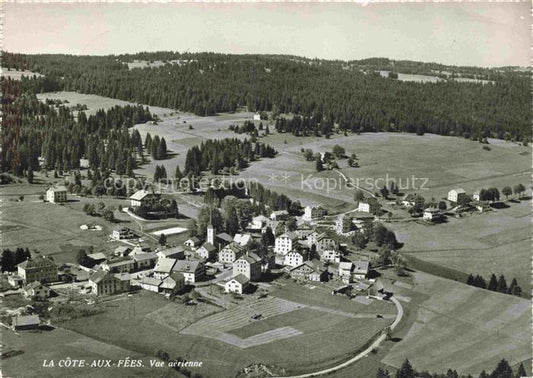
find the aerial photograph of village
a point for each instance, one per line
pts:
(266, 190)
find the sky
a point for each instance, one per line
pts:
(459, 33)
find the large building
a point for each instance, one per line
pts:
(56, 194)
(144, 198)
(104, 283)
(285, 243)
(230, 253)
(249, 265)
(41, 269)
(192, 270)
(457, 194)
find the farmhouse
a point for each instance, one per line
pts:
(163, 268)
(36, 290)
(324, 242)
(285, 243)
(360, 269)
(279, 215)
(119, 265)
(249, 265)
(363, 207)
(192, 270)
(432, 214)
(41, 269)
(207, 251)
(308, 272)
(171, 253)
(98, 257)
(14, 280)
(151, 284)
(293, 259)
(192, 242)
(145, 260)
(25, 322)
(313, 212)
(173, 283)
(56, 194)
(230, 253)
(224, 238)
(455, 195)
(237, 284)
(123, 233)
(104, 283)
(144, 198)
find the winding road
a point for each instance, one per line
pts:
(360, 355)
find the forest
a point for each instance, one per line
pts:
(351, 95)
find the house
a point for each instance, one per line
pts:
(105, 282)
(192, 270)
(360, 269)
(173, 283)
(242, 239)
(123, 233)
(432, 214)
(207, 251)
(279, 215)
(14, 280)
(308, 272)
(139, 250)
(313, 212)
(409, 200)
(122, 250)
(119, 265)
(344, 225)
(97, 257)
(331, 255)
(256, 117)
(192, 242)
(285, 242)
(42, 269)
(56, 194)
(237, 284)
(345, 269)
(163, 268)
(25, 322)
(144, 198)
(249, 265)
(151, 284)
(455, 195)
(145, 260)
(223, 238)
(84, 163)
(230, 253)
(363, 207)
(476, 196)
(36, 290)
(258, 222)
(171, 253)
(293, 259)
(481, 206)
(324, 242)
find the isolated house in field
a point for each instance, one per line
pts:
(36, 290)
(25, 322)
(457, 194)
(279, 215)
(237, 284)
(409, 200)
(284, 243)
(56, 194)
(249, 265)
(432, 214)
(144, 198)
(230, 253)
(105, 283)
(313, 212)
(207, 251)
(42, 269)
(363, 207)
(293, 259)
(192, 270)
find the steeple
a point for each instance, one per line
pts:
(210, 229)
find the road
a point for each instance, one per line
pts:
(362, 354)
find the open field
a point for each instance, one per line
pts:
(494, 242)
(16, 74)
(466, 328)
(37, 348)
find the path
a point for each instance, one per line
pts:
(362, 354)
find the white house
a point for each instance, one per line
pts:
(36, 290)
(293, 259)
(237, 284)
(143, 197)
(455, 195)
(331, 255)
(431, 214)
(171, 253)
(151, 284)
(207, 251)
(258, 222)
(242, 239)
(313, 212)
(285, 242)
(230, 253)
(123, 233)
(56, 194)
(363, 207)
(475, 196)
(279, 215)
(256, 117)
(192, 242)
(249, 265)
(192, 270)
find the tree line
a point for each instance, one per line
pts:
(495, 284)
(10, 259)
(342, 93)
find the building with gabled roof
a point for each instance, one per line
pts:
(207, 251)
(171, 253)
(293, 258)
(119, 264)
(144, 198)
(145, 260)
(151, 284)
(230, 253)
(237, 284)
(163, 268)
(36, 290)
(41, 268)
(279, 215)
(242, 239)
(249, 265)
(173, 283)
(285, 242)
(456, 194)
(25, 322)
(104, 282)
(56, 194)
(192, 270)
(309, 271)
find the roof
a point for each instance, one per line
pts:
(194, 239)
(33, 285)
(119, 261)
(280, 212)
(234, 247)
(346, 265)
(151, 281)
(59, 188)
(209, 247)
(25, 320)
(98, 276)
(458, 190)
(224, 236)
(145, 256)
(242, 238)
(98, 256)
(240, 278)
(140, 194)
(307, 265)
(290, 235)
(431, 210)
(165, 265)
(170, 281)
(260, 218)
(251, 258)
(361, 265)
(187, 266)
(38, 262)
